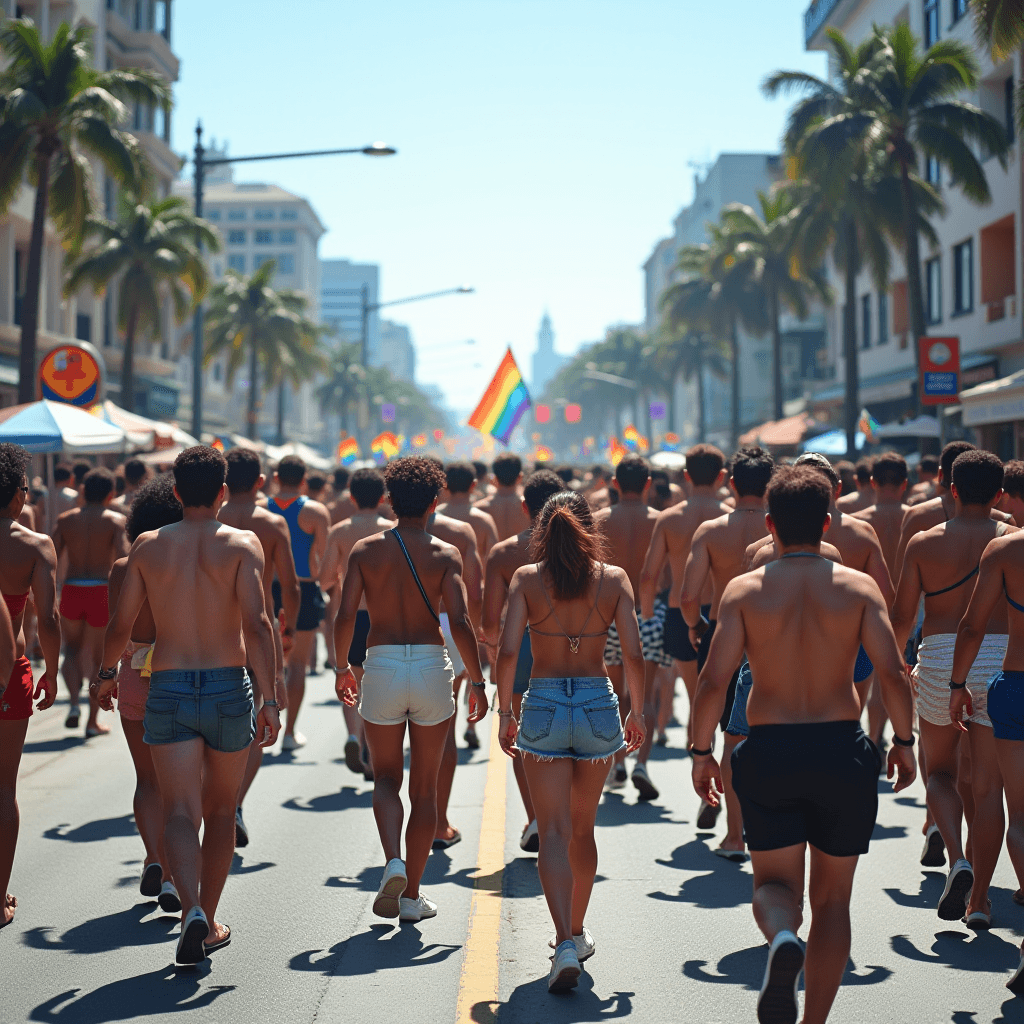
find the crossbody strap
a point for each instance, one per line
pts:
(415, 574)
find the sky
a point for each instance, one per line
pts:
(544, 146)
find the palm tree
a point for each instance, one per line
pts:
(690, 353)
(151, 248)
(248, 319)
(54, 109)
(345, 383)
(999, 25)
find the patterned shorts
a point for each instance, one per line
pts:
(651, 634)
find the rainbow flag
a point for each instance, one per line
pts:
(867, 425)
(385, 444)
(217, 444)
(616, 451)
(348, 451)
(504, 402)
(419, 441)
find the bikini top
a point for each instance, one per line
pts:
(1000, 531)
(574, 641)
(1010, 601)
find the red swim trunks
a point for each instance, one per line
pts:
(89, 602)
(16, 700)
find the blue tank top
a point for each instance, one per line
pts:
(302, 542)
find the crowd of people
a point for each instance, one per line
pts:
(796, 600)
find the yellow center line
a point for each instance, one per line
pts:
(478, 986)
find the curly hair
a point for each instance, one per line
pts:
(155, 505)
(243, 470)
(413, 483)
(14, 463)
(568, 542)
(199, 474)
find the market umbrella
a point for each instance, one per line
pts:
(46, 427)
(832, 443)
(668, 460)
(143, 432)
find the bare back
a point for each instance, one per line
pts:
(461, 536)
(342, 538)
(341, 508)
(271, 530)
(675, 528)
(483, 524)
(628, 527)
(93, 538)
(886, 519)
(720, 545)
(27, 563)
(506, 509)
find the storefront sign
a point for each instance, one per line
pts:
(939, 359)
(70, 374)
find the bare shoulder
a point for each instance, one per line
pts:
(859, 583)
(602, 514)
(710, 527)
(113, 516)
(860, 527)
(1003, 550)
(742, 586)
(118, 570)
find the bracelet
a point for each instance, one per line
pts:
(694, 752)
(505, 714)
(957, 686)
(903, 743)
(272, 704)
(483, 682)
(107, 673)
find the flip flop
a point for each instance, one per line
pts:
(734, 856)
(194, 929)
(443, 844)
(71, 722)
(352, 761)
(979, 921)
(151, 880)
(212, 947)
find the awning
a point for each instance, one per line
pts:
(45, 427)
(923, 426)
(142, 432)
(832, 443)
(786, 433)
(309, 456)
(995, 401)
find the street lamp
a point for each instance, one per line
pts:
(372, 307)
(201, 163)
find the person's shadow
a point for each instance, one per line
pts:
(95, 831)
(982, 952)
(746, 967)
(367, 953)
(345, 799)
(531, 1001)
(124, 929)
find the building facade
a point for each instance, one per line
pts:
(397, 351)
(346, 289)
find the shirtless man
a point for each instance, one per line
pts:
(504, 559)
(807, 775)
(718, 552)
(505, 506)
(864, 496)
(628, 527)
(673, 534)
(136, 472)
(241, 511)
(1000, 581)
(1012, 502)
(65, 495)
(927, 477)
(204, 584)
(93, 537)
(600, 488)
(308, 522)
(342, 505)
(461, 485)
(942, 563)
(367, 491)
(404, 574)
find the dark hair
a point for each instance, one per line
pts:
(243, 470)
(506, 469)
(863, 470)
(315, 483)
(341, 476)
(14, 463)
(751, 470)
(480, 468)
(61, 473)
(889, 469)
(540, 486)
(119, 483)
(134, 471)
(703, 464)
(978, 476)
(568, 542)
(1013, 478)
(818, 462)
(798, 500)
(928, 464)
(97, 485)
(632, 474)
(291, 470)
(949, 455)
(566, 474)
(366, 487)
(413, 483)
(78, 470)
(199, 474)
(460, 476)
(154, 505)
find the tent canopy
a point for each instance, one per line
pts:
(923, 426)
(309, 456)
(832, 443)
(142, 432)
(47, 427)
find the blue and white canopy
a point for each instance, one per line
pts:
(46, 427)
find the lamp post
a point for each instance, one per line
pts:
(201, 163)
(372, 307)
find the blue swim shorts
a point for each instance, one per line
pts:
(575, 718)
(863, 668)
(214, 705)
(1006, 705)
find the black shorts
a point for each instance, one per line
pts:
(676, 637)
(357, 649)
(811, 783)
(705, 645)
(311, 609)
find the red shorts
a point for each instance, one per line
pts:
(78, 601)
(16, 700)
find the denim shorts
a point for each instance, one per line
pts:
(214, 705)
(574, 718)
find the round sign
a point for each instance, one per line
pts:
(70, 374)
(939, 354)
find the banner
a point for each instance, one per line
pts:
(939, 381)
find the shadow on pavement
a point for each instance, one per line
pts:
(696, 855)
(121, 930)
(928, 895)
(1011, 1012)
(95, 831)
(345, 799)
(531, 1001)
(613, 810)
(367, 952)
(746, 967)
(285, 757)
(239, 867)
(368, 880)
(53, 746)
(983, 952)
(521, 879)
(889, 832)
(159, 992)
(726, 886)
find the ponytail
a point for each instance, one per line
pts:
(569, 544)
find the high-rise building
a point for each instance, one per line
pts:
(546, 361)
(346, 289)
(396, 350)
(126, 34)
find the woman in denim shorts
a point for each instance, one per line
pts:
(569, 726)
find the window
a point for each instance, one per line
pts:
(286, 263)
(931, 22)
(213, 215)
(932, 171)
(865, 321)
(236, 237)
(963, 277)
(289, 215)
(883, 318)
(236, 261)
(264, 237)
(259, 214)
(83, 327)
(933, 285)
(236, 214)
(1009, 112)
(959, 9)
(261, 258)
(216, 371)
(286, 237)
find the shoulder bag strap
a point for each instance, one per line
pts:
(415, 574)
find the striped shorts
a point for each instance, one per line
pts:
(934, 669)
(652, 632)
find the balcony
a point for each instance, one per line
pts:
(816, 16)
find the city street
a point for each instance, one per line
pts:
(676, 939)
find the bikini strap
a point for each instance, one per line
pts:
(415, 574)
(959, 583)
(1010, 601)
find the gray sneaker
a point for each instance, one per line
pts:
(586, 947)
(642, 782)
(565, 968)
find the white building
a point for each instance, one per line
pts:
(972, 278)
(126, 34)
(346, 288)
(397, 351)
(546, 361)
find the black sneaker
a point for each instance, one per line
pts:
(934, 853)
(241, 832)
(777, 1002)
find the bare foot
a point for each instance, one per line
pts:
(7, 911)
(447, 833)
(218, 931)
(96, 729)
(733, 845)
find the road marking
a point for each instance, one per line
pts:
(478, 986)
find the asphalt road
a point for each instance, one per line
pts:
(676, 939)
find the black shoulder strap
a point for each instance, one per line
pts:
(415, 574)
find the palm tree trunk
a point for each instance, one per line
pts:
(702, 423)
(280, 412)
(734, 345)
(851, 408)
(128, 362)
(672, 419)
(773, 312)
(915, 293)
(33, 283)
(252, 411)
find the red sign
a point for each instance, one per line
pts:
(542, 413)
(939, 380)
(70, 374)
(573, 413)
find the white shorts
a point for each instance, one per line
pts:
(935, 667)
(449, 641)
(407, 683)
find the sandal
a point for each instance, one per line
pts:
(443, 844)
(212, 947)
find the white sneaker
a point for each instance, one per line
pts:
(417, 909)
(168, 899)
(565, 968)
(586, 947)
(953, 904)
(777, 1002)
(392, 885)
(529, 841)
(642, 781)
(292, 741)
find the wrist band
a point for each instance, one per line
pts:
(272, 704)
(483, 682)
(504, 714)
(107, 673)
(957, 686)
(903, 743)
(694, 752)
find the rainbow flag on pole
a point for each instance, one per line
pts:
(504, 402)
(348, 451)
